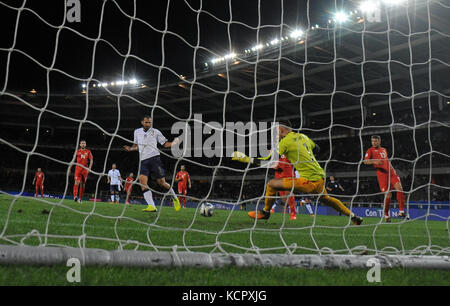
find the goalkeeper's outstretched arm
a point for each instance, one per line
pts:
(243, 158)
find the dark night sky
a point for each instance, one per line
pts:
(75, 53)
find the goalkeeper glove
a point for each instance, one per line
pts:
(241, 157)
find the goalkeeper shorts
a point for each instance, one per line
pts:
(302, 185)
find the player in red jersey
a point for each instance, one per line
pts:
(129, 187)
(83, 166)
(184, 181)
(39, 178)
(284, 169)
(386, 175)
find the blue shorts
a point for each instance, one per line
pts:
(152, 165)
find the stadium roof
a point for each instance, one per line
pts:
(349, 70)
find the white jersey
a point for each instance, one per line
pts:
(148, 142)
(114, 176)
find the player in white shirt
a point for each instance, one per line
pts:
(115, 182)
(307, 202)
(146, 140)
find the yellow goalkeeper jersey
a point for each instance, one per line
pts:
(298, 147)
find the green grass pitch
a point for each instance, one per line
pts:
(110, 226)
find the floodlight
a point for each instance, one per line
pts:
(257, 47)
(340, 17)
(231, 55)
(296, 33)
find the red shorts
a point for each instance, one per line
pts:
(284, 193)
(81, 174)
(182, 190)
(385, 182)
(39, 183)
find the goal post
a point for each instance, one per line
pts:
(98, 257)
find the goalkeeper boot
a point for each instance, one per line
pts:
(357, 220)
(176, 204)
(403, 215)
(387, 219)
(150, 209)
(260, 214)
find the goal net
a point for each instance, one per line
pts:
(220, 76)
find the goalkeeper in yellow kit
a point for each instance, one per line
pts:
(298, 148)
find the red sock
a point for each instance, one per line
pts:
(37, 191)
(81, 192)
(184, 201)
(42, 191)
(387, 201)
(75, 190)
(401, 200)
(292, 205)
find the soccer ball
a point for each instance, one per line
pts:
(206, 209)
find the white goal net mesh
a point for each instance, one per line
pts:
(220, 75)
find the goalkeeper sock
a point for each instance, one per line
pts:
(337, 205)
(148, 198)
(401, 201)
(269, 200)
(387, 201)
(75, 191)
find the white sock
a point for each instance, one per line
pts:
(308, 207)
(112, 198)
(117, 198)
(148, 198)
(172, 193)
